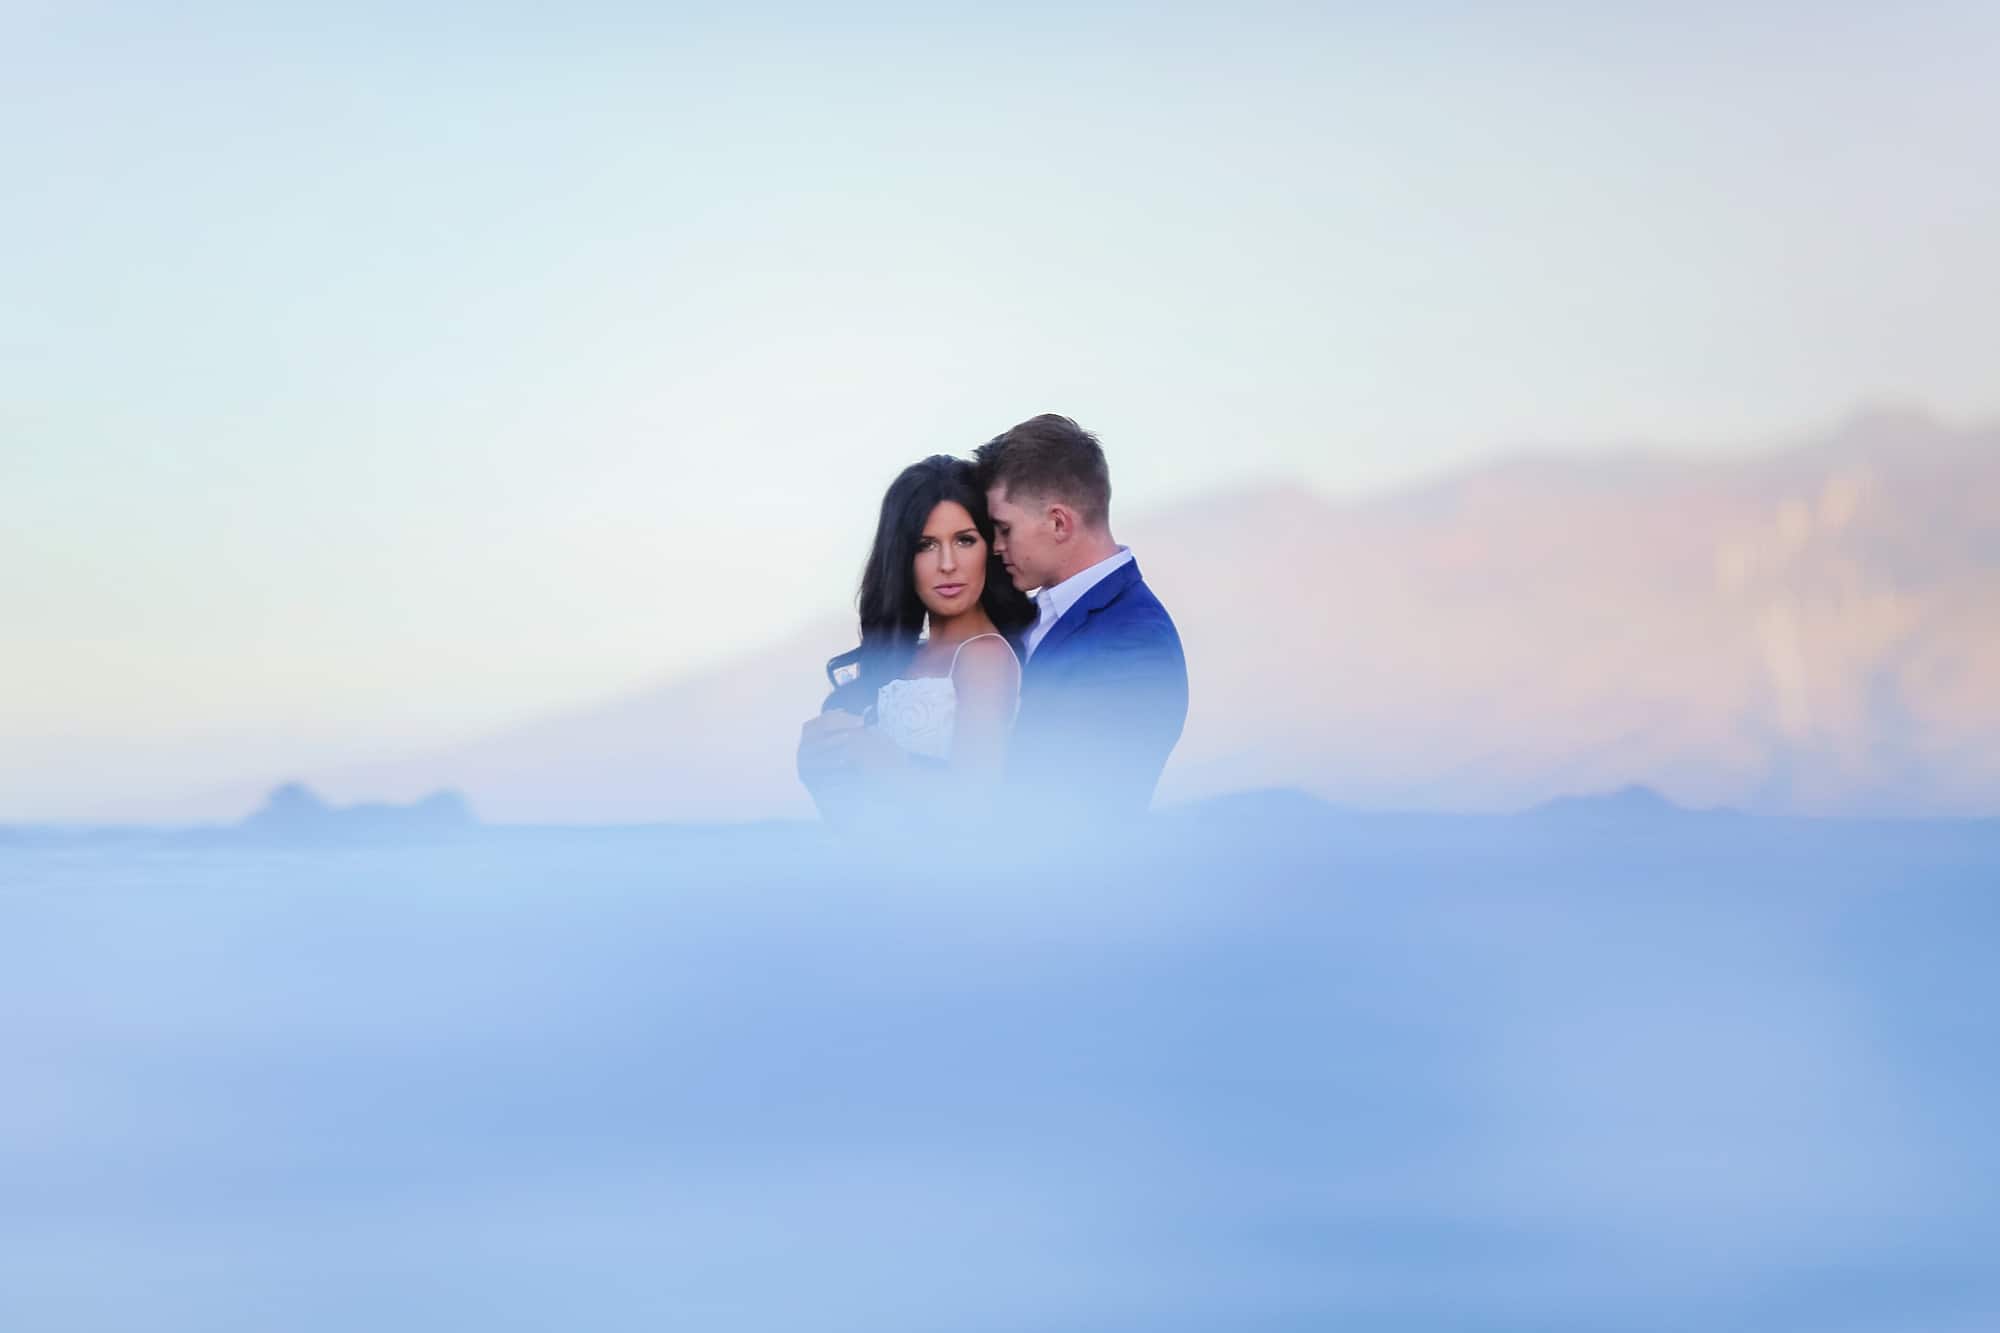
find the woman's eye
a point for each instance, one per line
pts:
(968, 541)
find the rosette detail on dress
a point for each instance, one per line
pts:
(918, 714)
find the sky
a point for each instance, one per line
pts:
(375, 376)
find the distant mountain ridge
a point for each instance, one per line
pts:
(1806, 630)
(295, 811)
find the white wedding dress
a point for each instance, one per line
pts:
(919, 714)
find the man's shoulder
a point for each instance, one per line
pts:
(1134, 621)
(1136, 603)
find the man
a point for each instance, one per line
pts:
(1104, 691)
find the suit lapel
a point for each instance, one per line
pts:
(1105, 592)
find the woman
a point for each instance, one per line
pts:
(916, 714)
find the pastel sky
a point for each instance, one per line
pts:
(376, 375)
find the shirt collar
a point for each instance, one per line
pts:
(1054, 602)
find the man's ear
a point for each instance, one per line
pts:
(1062, 522)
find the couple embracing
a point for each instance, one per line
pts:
(1012, 658)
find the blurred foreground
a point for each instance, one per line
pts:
(1268, 1067)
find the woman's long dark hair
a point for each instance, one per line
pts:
(892, 614)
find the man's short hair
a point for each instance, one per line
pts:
(1051, 458)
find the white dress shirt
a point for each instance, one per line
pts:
(1053, 602)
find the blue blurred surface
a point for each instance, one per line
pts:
(1262, 1068)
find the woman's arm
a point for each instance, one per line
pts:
(987, 682)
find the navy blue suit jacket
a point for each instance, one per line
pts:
(1103, 701)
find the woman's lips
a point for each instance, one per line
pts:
(948, 589)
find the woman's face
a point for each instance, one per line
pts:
(950, 561)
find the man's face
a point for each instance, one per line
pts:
(1024, 539)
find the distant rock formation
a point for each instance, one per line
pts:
(1801, 631)
(1264, 804)
(295, 810)
(1633, 802)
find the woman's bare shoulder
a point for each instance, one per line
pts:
(987, 660)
